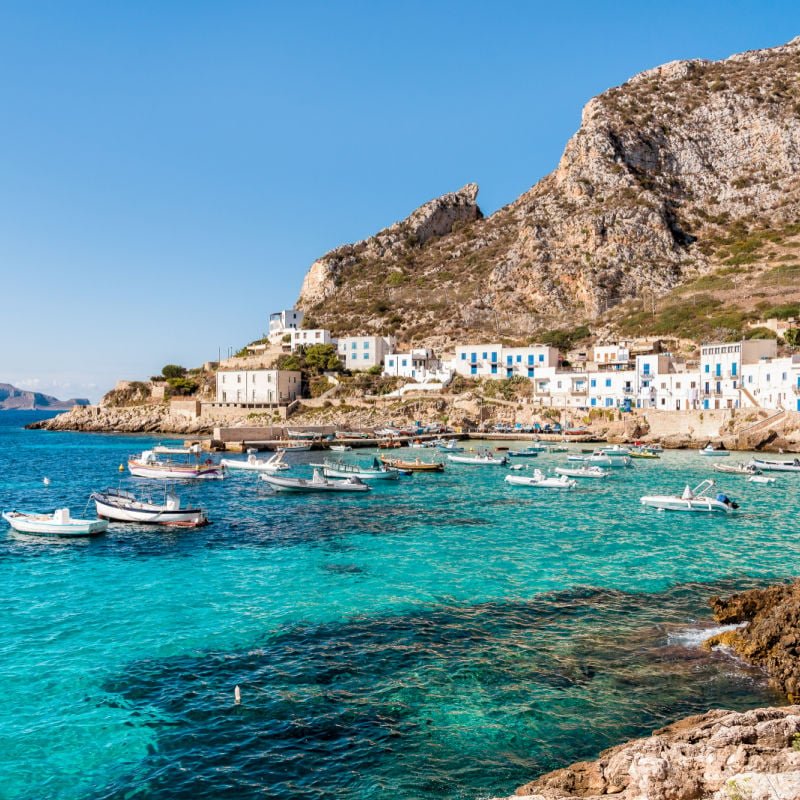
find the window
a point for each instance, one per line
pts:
(494, 369)
(541, 357)
(473, 370)
(354, 345)
(405, 362)
(530, 360)
(509, 372)
(608, 381)
(473, 357)
(594, 401)
(463, 356)
(593, 382)
(609, 401)
(707, 368)
(733, 368)
(519, 359)
(494, 356)
(391, 362)
(530, 372)
(484, 356)
(647, 369)
(366, 345)
(509, 360)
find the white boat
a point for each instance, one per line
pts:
(121, 506)
(541, 481)
(776, 466)
(310, 436)
(760, 479)
(598, 459)
(317, 483)
(59, 523)
(147, 465)
(710, 450)
(557, 448)
(450, 446)
(615, 451)
(696, 499)
(479, 460)
(736, 469)
(386, 433)
(165, 450)
(582, 472)
(274, 463)
(340, 469)
(295, 446)
(340, 448)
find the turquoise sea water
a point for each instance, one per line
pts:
(446, 637)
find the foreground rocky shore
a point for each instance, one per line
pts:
(719, 755)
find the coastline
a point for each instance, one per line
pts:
(721, 754)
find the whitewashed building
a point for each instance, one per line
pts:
(305, 337)
(420, 364)
(610, 356)
(284, 322)
(772, 383)
(258, 387)
(497, 361)
(364, 352)
(721, 366)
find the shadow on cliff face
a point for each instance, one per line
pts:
(449, 702)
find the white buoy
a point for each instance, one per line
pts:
(237, 696)
(46, 481)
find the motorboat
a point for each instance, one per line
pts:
(541, 481)
(760, 479)
(615, 451)
(450, 446)
(641, 452)
(305, 436)
(148, 465)
(417, 465)
(526, 452)
(483, 459)
(599, 459)
(776, 466)
(341, 469)
(317, 483)
(582, 472)
(340, 448)
(296, 446)
(118, 505)
(737, 469)
(710, 450)
(168, 450)
(59, 523)
(696, 499)
(557, 448)
(274, 463)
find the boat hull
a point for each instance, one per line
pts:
(776, 466)
(300, 485)
(148, 514)
(140, 469)
(594, 472)
(541, 483)
(44, 525)
(477, 462)
(251, 466)
(696, 504)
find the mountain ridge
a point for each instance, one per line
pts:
(12, 398)
(665, 175)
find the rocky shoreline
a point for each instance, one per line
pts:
(719, 755)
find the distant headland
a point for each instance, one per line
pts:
(14, 399)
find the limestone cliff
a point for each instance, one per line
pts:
(670, 176)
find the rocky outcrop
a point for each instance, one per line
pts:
(770, 638)
(435, 218)
(22, 400)
(669, 176)
(720, 755)
(154, 418)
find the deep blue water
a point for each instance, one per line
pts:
(446, 637)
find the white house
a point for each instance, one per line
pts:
(721, 371)
(610, 356)
(421, 364)
(772, 383)
(258, 386)
(497, 361)
(561, 388)
(304, 337)
(363, 352)
(284, 322)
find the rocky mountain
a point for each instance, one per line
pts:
(20, 400)
(681, 187)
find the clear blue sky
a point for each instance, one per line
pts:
(170, 170)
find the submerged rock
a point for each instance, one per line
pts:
(718, 755)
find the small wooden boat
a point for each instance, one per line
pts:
(696, 499)
(417, 465)
(274, 463)
(121, 506)
(541, 481)
(147, 465)
(317, 483)
(59, 523)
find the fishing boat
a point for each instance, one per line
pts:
(641, 452)
(541, 481)
(615, 451)
(118, 505)
(317, 483)
(274, 463)
(351, 435)
(148, 465)
(449, 446)
(696, 499)
(483, 459)
(340, 448)
(296, 446)
(527, 452)
(582, 472)
(341, 469)
(557, 448)
(737, 469)
(417, 465)
(710, 450)
(305, 436)
(59, 523)
(776, 466)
